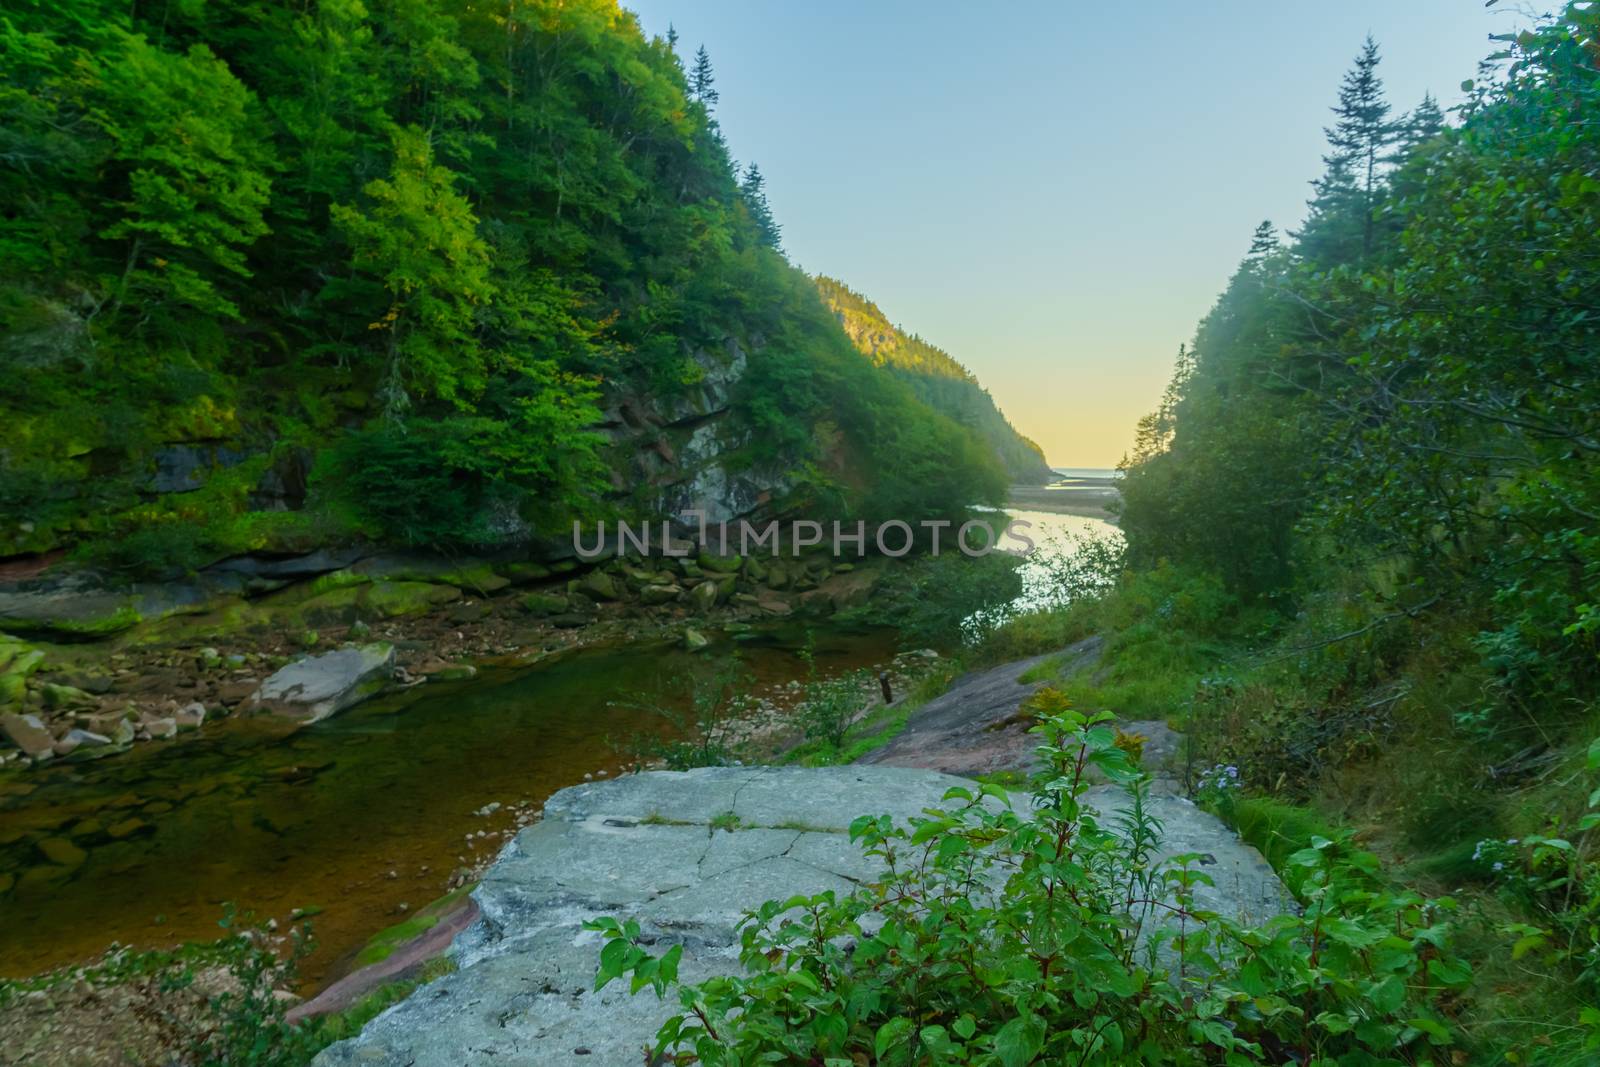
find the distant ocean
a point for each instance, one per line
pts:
(1087, 472)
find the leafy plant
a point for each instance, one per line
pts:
(998, 936)
(703, 727)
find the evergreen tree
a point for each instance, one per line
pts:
(1341, 224)
(1423, 124)
(754, 187)
(700, 80)
(1360, 138)
(1264, 241)
(672, 37)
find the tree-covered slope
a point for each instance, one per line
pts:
(1367, 513)
(418, 271)
(940, 381)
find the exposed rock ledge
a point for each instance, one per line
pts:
(655, 847)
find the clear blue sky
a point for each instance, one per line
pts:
(1054, 192)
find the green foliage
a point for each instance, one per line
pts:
(244, 1024)
(1001, 937)
(1414, 400)
(829, 707)
(704, 722)
(333, 225)
(937, 379)
(1556, 880)
(929, 600)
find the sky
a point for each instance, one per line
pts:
(1053, 192)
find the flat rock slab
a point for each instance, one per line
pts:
(1245, 887)
(686, 854)
(975, 728)
(319, 686)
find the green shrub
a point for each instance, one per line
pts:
(702, 725)
(1001, 937)
(1276, 829)
(931, 599)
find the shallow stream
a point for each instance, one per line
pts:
(351, 818)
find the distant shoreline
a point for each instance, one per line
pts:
(1089, 497)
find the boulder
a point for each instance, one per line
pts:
(190, 716)
(97, 684)
(720, 564)
(660, 594)
(73, 611)
(65, 697)
(471, 576)
(237, 692)
(161, 727)
(86, 738)
(389, 600)
(817, 602)
(544, 604)
(704, 596)
(524, 573)
(694, 640)
(319, 686)
(600, 586)
(294, 567)
(28, 733)
(17, 658)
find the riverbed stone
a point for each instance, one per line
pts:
(316, 687)
(65, 697)
(720, 564)
(544, 604)
(61, 852)
(684, 854)
(704, 596)
(87, 738)
(600, 586)
(161, 728)
(660, 594)
(390, 600)
(28, 733)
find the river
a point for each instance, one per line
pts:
(348, 819)
(364, 817)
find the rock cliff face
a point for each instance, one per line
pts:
(671, 454)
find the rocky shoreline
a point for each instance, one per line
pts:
(93, 671)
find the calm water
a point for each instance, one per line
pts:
(1054, 536)
(354, 816)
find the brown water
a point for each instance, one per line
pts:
(354, 816)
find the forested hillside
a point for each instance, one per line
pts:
(421, 272)
(938, 380)
(1363, 526)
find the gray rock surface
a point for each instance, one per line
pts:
(685, 854)
(319, 686)
(975, 728)
(643, 846)
(28, 733)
